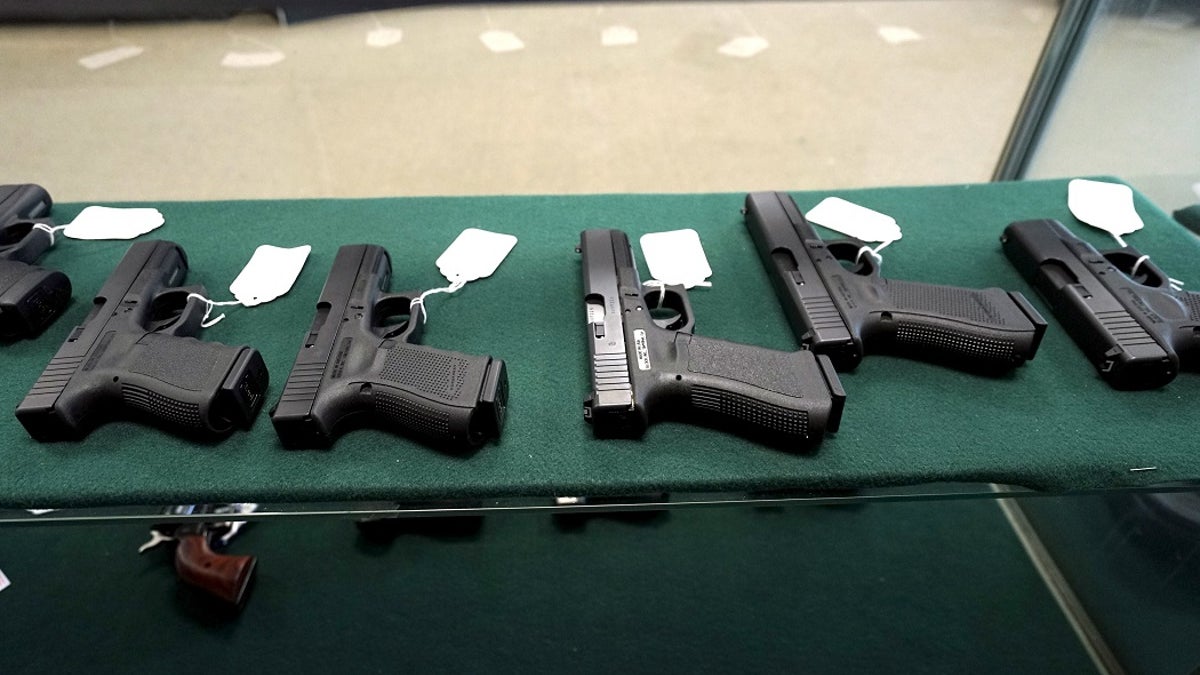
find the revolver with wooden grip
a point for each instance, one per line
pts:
(219, 575)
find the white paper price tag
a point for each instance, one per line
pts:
(103, 222)
(676, 258)
(853, 220)
(1105, 206)
(269, 274)
(475, 254)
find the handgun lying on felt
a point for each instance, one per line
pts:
(31, 297)
(1117, 305)
(647, 364)
(359, 365)
(839, 305)
(133, 356)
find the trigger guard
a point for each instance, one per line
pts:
(395, 304)
(22, 241)
(846, 250)
(1149, 274)
(187, 321)
(13, 232)
(674, 298)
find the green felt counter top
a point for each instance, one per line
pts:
(1051, 425)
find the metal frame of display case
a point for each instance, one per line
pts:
(565, 504)
(1063, 44)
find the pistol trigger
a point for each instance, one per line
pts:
(193, 310)
(398, 317)
(416, 311)
(685, 309)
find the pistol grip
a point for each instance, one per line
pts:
(785, 398)
(199, 388)
(31, 298)
(224, 576)
(449, 399)
(985, 330)
(203, 387)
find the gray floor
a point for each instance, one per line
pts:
(846, 94)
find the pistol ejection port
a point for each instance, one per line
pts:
(595, 317)
(595, 312)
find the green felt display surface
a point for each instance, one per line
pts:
(1052, 424)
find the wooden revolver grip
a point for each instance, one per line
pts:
(225, 576)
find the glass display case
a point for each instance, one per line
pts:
(955, 521)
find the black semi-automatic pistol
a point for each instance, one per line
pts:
(646, 368)
(1117, 305)
(839, 305)
(134, 356)
(357, 366)
(31, 297)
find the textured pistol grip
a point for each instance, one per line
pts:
(989, 330)
(31, 298)
(785, 398)
(447, 398)
(203, 387)
(224, 576)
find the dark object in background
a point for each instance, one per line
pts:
(134, 355)
(647, 364)
(1189, 217)
(1117, 305)
(360, 365)
(144, 10)
(1171, 518)
(307, 10)
(385, 529)
(31, 297)
(1131, 561)
(848, 312)
(575, 522)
